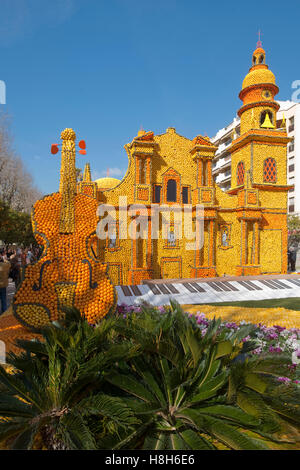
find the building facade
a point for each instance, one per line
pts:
(244, 230)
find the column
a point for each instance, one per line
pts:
(148, 170)
(208, 173)
(198, 250)
(149, 244)
(256, 249)
(244, 242)
(211, 243)
(138, 169)
(200, 171)
(134, 246)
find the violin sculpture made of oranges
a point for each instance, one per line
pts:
(68, 271)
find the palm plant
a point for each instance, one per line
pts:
(148, 381)
(54, 398)
(182, 387)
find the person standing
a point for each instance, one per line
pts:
(4, 273)
(293, 256)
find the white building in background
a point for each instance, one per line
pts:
(222, 162)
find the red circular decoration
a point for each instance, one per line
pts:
(83, 152)
(81, 144)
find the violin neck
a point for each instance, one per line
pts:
(67, 187)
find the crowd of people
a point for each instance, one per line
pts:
(13, 261)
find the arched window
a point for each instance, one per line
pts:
(240, 174)
(261, 59)
(171, 191)
(270, 172)
(264, 115)
(254, 60)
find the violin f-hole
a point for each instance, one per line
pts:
(93, 285)
(35, 287)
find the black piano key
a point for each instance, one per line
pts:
(280, 283)
(267, 283)
(173, 289)
(274, 283)
(214, 286)
(163, 288)
(224, 286)
(251, 284)
(243, 283)
(197, 287)
(295, 282)
(231, 287)
(154, 289)
(126, 291)
(136, 290)
(189, 287)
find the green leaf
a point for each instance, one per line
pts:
(132, 386)
(254, 382)
(232, 437)
(209, 388)
(224, 348)
(232, 413)
(196, 442)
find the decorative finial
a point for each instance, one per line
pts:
(68, 134)
(259, 43)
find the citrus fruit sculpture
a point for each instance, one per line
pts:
(68, 272)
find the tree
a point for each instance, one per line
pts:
(15, 227)
(16, 187)
(293, 230)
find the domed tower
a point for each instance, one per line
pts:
(258, 90)
(258, 173)
(259, 153)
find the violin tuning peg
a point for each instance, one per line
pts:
(54, 149)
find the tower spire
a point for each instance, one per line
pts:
(87, 173)
(259, 43)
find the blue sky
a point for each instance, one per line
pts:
(106, 68)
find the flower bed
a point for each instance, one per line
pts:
(261, 340)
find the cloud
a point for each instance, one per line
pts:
(112, 172)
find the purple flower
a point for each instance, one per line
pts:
(257, 350)
(296, 381)
(247, 338)
(272, 336)
(124, 315)
(273, 349)
(231, 325)
(161, 309)
(283, 379)
(279, 328)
